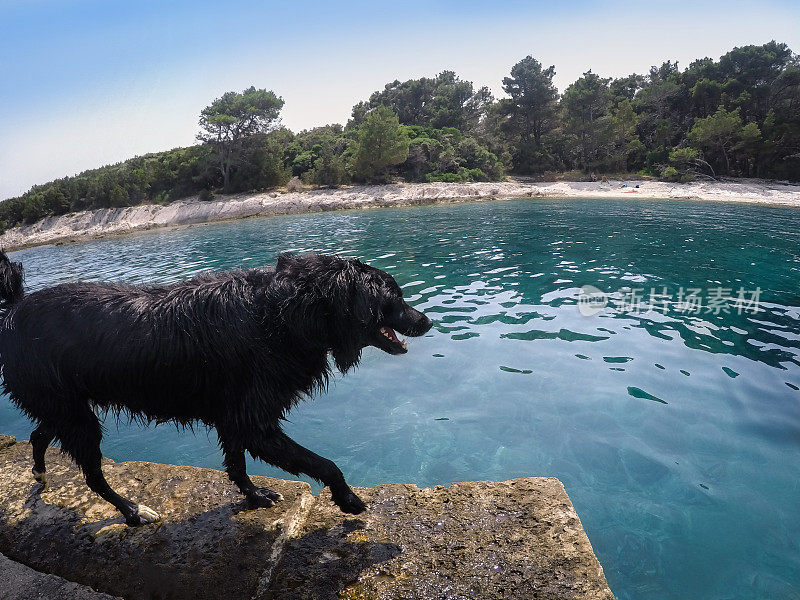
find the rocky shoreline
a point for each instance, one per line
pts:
(116, 221)
(516, 539)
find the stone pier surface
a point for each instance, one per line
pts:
(483, 539)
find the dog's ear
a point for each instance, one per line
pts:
(353, 306)
(357, 311)
(355, 297)
(363, 302)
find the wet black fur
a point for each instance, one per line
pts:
(234, 351)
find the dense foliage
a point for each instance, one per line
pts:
(444, 101)
(155, 178)
(738, 116)
(230, 123)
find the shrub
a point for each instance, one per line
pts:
(118, 197)
(33, 210)
(330, 169)
(670, 174)
(381, 143)
(682, 156)
(444, 177)
(206, 195)
(475, 175)
(302, 162)
(656, 157)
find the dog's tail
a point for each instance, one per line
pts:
(11, 277)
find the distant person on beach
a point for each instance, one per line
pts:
(593, 176)
(603, 179)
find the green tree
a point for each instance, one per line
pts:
(662, 106)
(118, 197)
(441, 101)
(626, 88)
(687, 162)
(448, 155)
(261, 165)
(533, 98)
(724, 132)
(586, 104)
(33, 209)
(625, 149)
(380, 143)
(706, 96)
(329, 169)
(531, 108)
(330, 166)
(474, 157)
(228, 121)
(455, 103)
(54, 200)
(423, 155)
(318, 155)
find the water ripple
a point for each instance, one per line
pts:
(674, 433)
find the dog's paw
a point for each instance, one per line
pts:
(39, 476)
(350, 503)
(143, 516)
(263, 497)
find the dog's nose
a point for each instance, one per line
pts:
(426, 324)
(414, 323)
(422, 326)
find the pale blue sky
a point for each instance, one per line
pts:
(90, 82)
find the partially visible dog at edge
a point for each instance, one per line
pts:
(234, 351)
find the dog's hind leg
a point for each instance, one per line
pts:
(41, 438)
(237, 472)
(80, 436)
(283, 452)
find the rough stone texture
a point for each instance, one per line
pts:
(482, 539)
(206, 542)
(512, 539)
(18, 582)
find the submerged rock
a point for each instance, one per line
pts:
(512, 539)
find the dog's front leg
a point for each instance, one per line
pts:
(237, 473)
(283, 452)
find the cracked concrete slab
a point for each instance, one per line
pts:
(485, 539)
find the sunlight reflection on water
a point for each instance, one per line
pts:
(676, 435)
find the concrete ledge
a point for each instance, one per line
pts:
(511, 539)
(18, 582)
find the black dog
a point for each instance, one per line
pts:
(231, 350)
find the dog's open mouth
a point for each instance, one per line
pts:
(388, 341)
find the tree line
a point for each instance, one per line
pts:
(738, 116)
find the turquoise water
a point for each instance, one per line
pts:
(676, 434)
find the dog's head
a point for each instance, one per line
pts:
(347, 305)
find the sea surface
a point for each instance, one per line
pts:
(668, 405)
